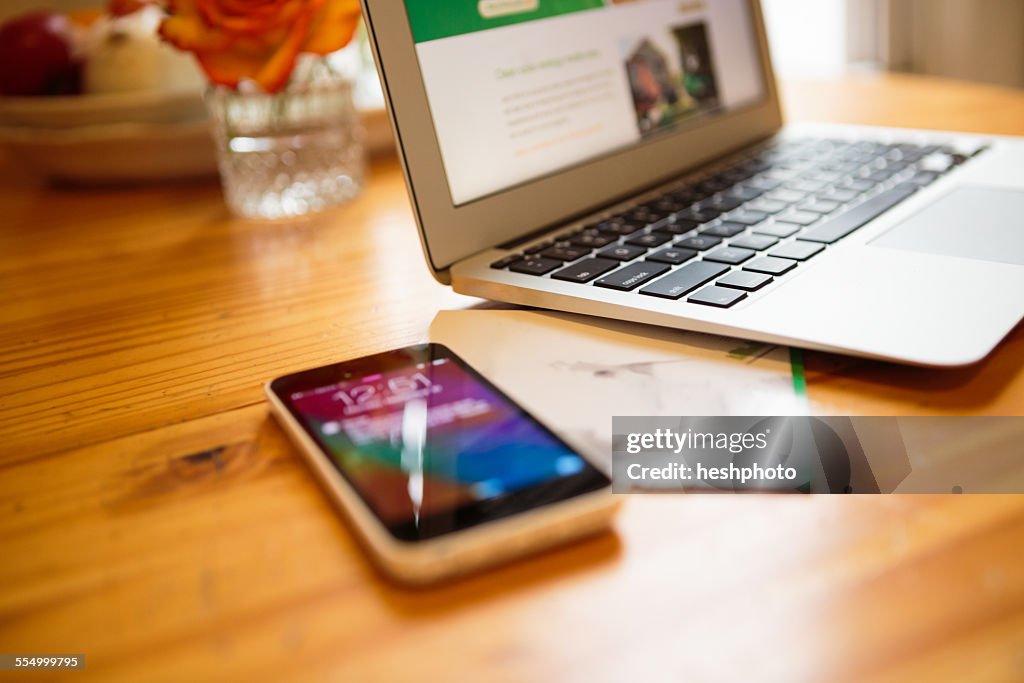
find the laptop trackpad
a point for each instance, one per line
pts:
(969, 222)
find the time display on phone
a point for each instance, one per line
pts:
(375, 391)
(430, 438)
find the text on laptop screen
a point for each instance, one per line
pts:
(522, 88)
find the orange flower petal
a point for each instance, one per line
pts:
(267, 11)
(250, 19)
(227, 68)
(188, 32)
(334, 27)
(274, 74)
(85, 17)
(257, 39)
(254, 7)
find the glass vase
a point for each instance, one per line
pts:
(289, 153)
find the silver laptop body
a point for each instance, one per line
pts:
(629, 160)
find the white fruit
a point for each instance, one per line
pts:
(125, 54)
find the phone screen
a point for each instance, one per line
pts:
(429, 444)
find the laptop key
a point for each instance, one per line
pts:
(633, 218)
(712, 185)
(667, 204)
(699, 214)
(565, 253)
(767, 206)
(684, 195)
(840, 226)
(838, 195)
(799, 217)
(723, 203)
(786, 196)
(746, 193)
(798, 251)
(725, 229)
(777, 229)
(746, 217)
(632, 276)
(805, 185)
(922, 179)
(623, 252)
(745, 280)
(824, 175)
(585, 270)
(730, 255)
(537, 248)
(755, 242)
(651, 239)
(644, 216)
(719, 297)
(617, 227)
(770, 265)
(535, 265)
(677, 227)
(672, 256)
(684, 280)
(593, 241)
(505, 262)
(937, 162)
(858, 184)
(699, 242)
(897, 166)
(823, 206)
(764, 183)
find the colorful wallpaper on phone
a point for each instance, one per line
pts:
(429, 438)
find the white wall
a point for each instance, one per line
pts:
(807, 37)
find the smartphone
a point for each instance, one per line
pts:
(437, 470)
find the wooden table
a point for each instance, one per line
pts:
(154, 517)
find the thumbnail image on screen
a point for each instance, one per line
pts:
(670, 79)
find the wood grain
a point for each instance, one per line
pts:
(180, 566)
(130, 309)
(154, 517)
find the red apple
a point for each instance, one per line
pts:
(35, 51)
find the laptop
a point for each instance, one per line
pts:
(628, 159)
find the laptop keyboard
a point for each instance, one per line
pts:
(724, 235)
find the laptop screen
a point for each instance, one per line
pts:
(523, 88)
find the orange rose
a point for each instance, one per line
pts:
(257, 39)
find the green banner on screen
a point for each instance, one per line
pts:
(433, 19)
